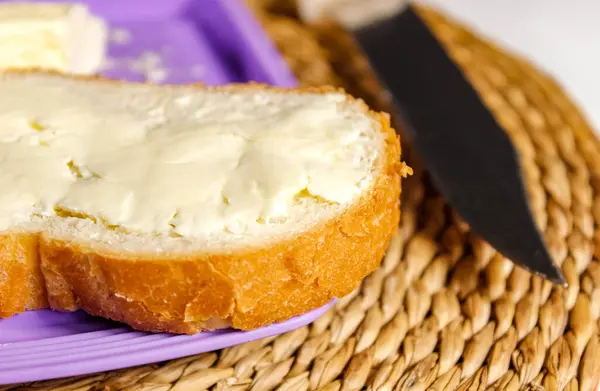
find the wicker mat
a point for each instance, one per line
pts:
(444, 311)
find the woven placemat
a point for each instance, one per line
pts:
(444, 311)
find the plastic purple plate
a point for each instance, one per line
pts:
(41, 345)
(210, 41)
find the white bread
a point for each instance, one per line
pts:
(297, 206)
(56, 36)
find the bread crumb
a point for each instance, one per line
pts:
(405, 170)
(149, 64)
(156, 75)
(120, 36)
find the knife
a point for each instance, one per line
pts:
(470, 158)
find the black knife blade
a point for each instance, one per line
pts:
(471, 159)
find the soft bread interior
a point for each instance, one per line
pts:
(138, 167)
(55, 36)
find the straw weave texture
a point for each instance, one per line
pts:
(445, 311)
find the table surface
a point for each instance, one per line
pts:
(560, 37)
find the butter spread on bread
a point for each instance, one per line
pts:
(57, 36)
(220, 198)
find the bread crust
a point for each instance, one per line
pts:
(245, 288)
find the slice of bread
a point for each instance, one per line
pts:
(55, 36)
(186, 208)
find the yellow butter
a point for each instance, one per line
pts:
(180, 160)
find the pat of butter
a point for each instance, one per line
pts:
(178, 160)
(54, 36)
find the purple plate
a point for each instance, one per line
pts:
(179, 41)
(41, 345)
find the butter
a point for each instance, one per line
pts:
(178, 161)
(55, 36)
